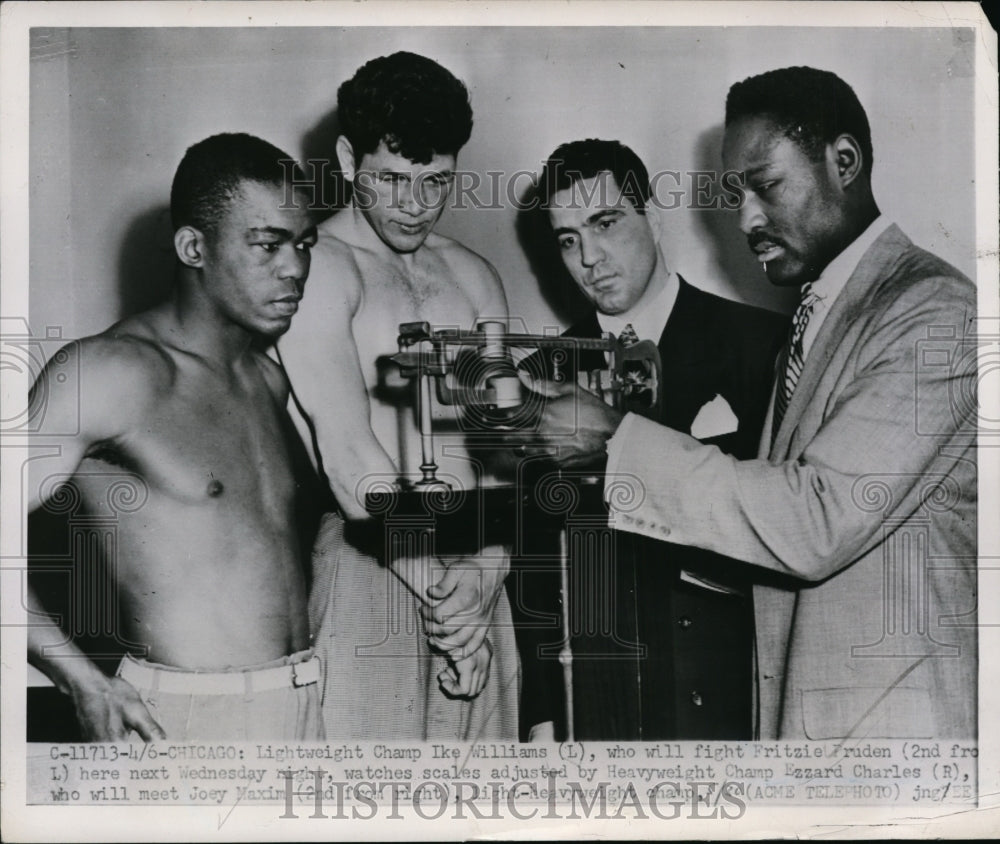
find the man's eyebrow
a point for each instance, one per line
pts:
(275, 230)
(596, 217)
(286, 234)
(756, 170)
(604, 212)
(427, 174)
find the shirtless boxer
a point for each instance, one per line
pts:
(378, 263)
(208, 569)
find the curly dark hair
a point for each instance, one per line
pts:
(208, 177)
(811, 107)
(412, 103)
(578, 160)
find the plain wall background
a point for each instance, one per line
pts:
(112, 111)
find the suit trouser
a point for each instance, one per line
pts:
(380, 679)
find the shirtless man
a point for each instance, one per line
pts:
(208, 569)
(378, 263)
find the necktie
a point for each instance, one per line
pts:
(628, 337)
(795, 356)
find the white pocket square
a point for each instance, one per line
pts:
(714, 419)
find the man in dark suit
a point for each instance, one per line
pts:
(660, 651)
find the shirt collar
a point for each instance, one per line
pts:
(648, 317)
(834, 277)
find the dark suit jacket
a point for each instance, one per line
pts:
(656, 657)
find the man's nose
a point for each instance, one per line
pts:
(407, 198)
(752, 216)
(591, 252)
(294, 264)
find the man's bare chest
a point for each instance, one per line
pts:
(391, 297)
(201, 441)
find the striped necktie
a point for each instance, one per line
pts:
(795, 356)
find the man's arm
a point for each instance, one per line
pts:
(807, 517)
(107, 708)
(459, 619)
(320, 356)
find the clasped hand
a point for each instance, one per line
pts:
(457, 597)
(457, 616)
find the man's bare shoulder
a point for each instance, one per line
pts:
(472, 271)
(458, 254)
(111, 379)
(334, 271)
(334, 240)
(130, 354)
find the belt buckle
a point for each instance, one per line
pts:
(296, 682)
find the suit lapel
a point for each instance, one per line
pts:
(873, 266)
(686, 338)
(766, 447)
(677, 329)
(588, 327)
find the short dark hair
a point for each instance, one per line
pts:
(578, 160)
(208, 177)
(412, 103)
(810, 107)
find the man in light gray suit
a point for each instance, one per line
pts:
(860, 509)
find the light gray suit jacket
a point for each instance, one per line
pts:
(865, 506)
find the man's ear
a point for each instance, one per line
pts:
(345, 156)
(654, 217)
(848, 160)
(189, 244)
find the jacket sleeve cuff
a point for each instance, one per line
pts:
(624, 489)
(616, 445)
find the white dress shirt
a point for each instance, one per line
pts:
(648, 317)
